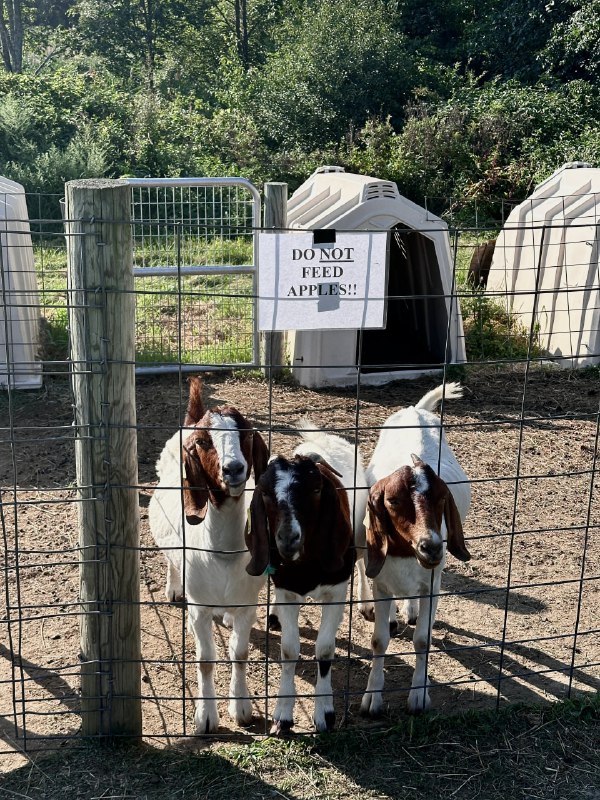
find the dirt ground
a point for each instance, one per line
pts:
(538, 642)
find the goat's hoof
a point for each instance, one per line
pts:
(411, 621)
(206, 723)
(241, 712)
(176, 598)
(281, 727)
(417, 703)
(368, 612)
(324, 721)
(273, 623)
(371, 707)
(393, 628)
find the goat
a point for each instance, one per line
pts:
(209, 465)
(301, 533)
(347, 461)
(413, 514)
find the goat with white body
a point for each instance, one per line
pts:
(209, 465)
(302, 534)
(418, 500)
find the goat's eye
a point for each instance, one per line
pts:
(317, 491)
(203, 444)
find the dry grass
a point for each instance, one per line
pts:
(534, 753)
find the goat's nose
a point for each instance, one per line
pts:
(430, 549)
(288, 543)
(233, 471)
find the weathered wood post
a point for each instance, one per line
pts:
(102, 325)
(272, 355)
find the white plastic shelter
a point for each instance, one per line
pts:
(417, 335)
(19, 303)
(545, 265)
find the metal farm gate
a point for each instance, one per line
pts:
(194, 266)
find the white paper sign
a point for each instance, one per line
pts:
(308, 286)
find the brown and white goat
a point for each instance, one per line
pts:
(197, 517)
(301, 534)
(418, 499)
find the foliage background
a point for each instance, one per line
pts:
(477, 99)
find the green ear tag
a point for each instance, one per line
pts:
(270, 570)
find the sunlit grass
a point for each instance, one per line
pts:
(204, 319)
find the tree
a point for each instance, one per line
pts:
(134, 33)
(573, 49)
(11, 34)
(337, 63)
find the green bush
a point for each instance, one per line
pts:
(492, 333)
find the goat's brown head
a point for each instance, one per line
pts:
(406, 511)
(218, 455)
(299, 511)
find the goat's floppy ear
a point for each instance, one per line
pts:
(195, 487)
(195, 407)
(456, 537)
(335, 531)
(260, 455)
(377, 532)
(257, 535)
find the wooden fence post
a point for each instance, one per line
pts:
(102, 325)
(272, 350)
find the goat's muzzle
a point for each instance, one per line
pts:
(234, 477)
(429, 550)
(289, 539)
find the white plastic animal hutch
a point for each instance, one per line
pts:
(19, 304)
(545, 264)
(417, 336)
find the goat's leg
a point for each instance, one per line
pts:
(418, 698)
(331, 617)
(174, 588)
(372, 702)
(288, 608)
(207, 716)
(273, 622)
(240, 707)
(365, 597)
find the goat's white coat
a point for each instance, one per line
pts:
(214, 572)
(413, 430)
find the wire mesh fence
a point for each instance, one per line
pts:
(518, 623)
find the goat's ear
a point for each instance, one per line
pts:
(195, 407)
(195, 487)
(257, 535)
(260, 455)
(456, 537)
(335, 530)
(377, 532)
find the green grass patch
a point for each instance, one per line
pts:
(538, 753)
(205, 319)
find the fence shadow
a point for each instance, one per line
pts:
(98, 770)
(16, 730)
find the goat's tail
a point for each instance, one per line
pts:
(308, 430)
(431, 400)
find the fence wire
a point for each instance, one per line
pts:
(518, 623)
